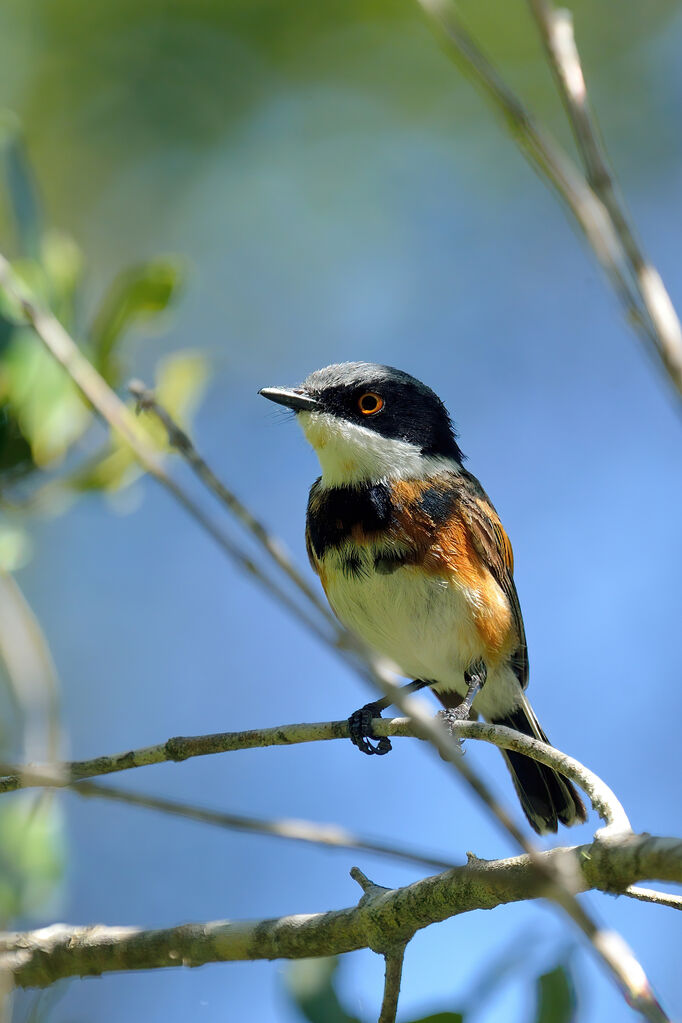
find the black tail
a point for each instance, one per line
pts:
(546, 797)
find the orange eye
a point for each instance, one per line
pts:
(370, 403)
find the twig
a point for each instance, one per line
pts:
(559, 883)
(590, 212)
(393, 951)
(603, 800)
(180, 748)
(331, 835)
(110, 407)
(38, 958)
(392, 978)
(31, 673)
(178, 439)
(651, 895)
(556, 30)
(616, 957)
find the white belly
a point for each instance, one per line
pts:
(423, 624)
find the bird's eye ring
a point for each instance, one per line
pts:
(370, 403)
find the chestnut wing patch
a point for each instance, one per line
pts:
(459, 504)
(493, 546)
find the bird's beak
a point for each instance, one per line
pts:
(293, 397)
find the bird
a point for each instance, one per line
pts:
(414, 560)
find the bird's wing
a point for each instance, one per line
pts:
(315, 563)
(495, 550)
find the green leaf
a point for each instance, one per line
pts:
(32, 276)
(178, 387)
(556, 1002)
(32, 854)
(441, 1017)
(15, 451)
(15, 547)
(109, 472)
(311, 987)
(63, 263)
(23, 194)
(135, 297)
(180, 380)
(44, 400)
(499, 967)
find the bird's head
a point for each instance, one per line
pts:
(368, 422)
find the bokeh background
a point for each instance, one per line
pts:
(330, 188)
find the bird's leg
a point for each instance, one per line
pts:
(360, 723)
(475, 677)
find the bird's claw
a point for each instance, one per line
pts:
(362, 734)
(449, 718)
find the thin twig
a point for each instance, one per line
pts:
(559, 883)
(616, 956)
(181, 748)
(180, 440)
(651, 895)
(603, 800)
(588, 208)
(392, 978)
(110, 407)
(556, 30)
(331, 835)
(39, 958)
(31, 673)
(377, 939)
(71, 774)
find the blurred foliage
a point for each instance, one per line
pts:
(312, 989)
(32, 840)
(112, 84)
(43, 417)
(32, 855)
(556, 1002)
(49, 442)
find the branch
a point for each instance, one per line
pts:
(392, 978)
(556, 30)
(392, 951)
(113, 411)
(650, 895)
(329, 835)
(647, 304)
(272, 545)
(39, 958)
(559, 887)
(297, 830)
(180, 748)
(617, 958)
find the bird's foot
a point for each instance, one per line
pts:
(450, 717)
(361, 731)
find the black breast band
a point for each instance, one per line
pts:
(333, 514)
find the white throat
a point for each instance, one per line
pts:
(350, 453)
